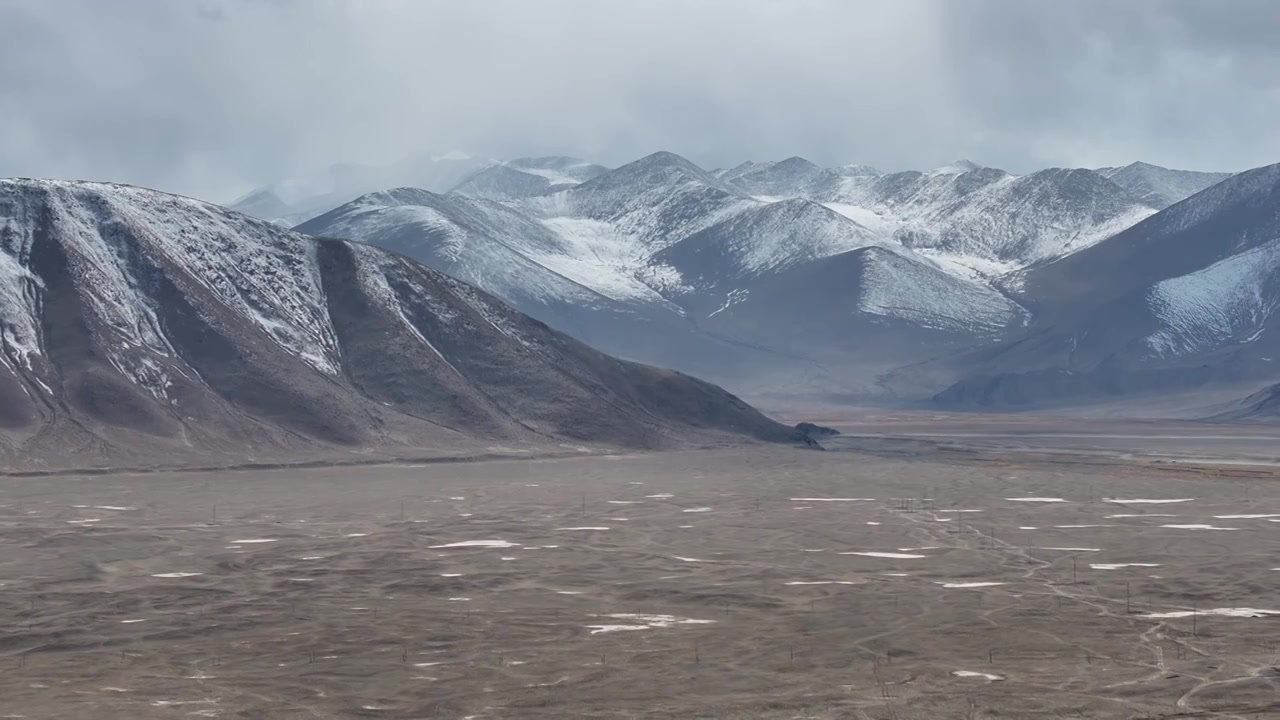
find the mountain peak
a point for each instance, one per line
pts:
(957, 168)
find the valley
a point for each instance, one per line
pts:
(766, 583)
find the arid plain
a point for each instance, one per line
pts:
(884, 578)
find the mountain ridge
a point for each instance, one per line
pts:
(137, 324)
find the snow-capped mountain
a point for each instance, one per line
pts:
(1189, 297)
(293, 201)
(660, 260)
(785, 178)
(1158, 186)
(764, 270)
(559, 170)
(137, 325)
(978, 220)
(528, 177)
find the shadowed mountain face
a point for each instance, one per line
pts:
(138, 327)
(1185, 299)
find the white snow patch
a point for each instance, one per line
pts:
(644, 622)
(1222, 612)
(971, 674)
(892, 555)
(1197, 527)
(820, 582)
(1118, 566)
(830, 499)
(962, 585)
(477, 543)
(176, 574)
(1146, 501)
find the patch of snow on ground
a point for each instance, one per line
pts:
(644, 622)
(820, 582)
(830, 499)
(963, 585)
(1222, 612)
(970, 674)
(477, 543)
(891, 555)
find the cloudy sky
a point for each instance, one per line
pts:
(212, 97)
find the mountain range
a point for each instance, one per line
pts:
(139, 327)
(776, 279)
(963, 287)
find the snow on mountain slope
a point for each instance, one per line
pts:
(895, 286)
(559, 170)
(1225, 302)
(264, 281)
(313, 193)
(1158, 186)
(1184, 301)
(984, 219)
(146, 326)
(864, 308)
(510, 254)
(597, 256)
(501, 182)
(655, 200)
(989, 214)
(528, 177)
(783, 178)
(762, 239)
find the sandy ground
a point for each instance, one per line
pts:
(744, 583)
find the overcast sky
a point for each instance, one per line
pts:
(212, 97)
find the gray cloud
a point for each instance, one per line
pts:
(209, 97)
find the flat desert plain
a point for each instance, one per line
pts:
(868, 581)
